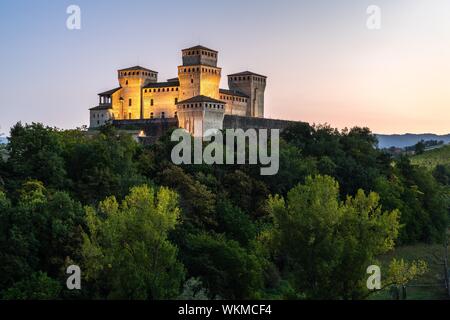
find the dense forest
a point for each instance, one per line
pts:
(141, 227)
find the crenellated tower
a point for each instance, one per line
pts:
(199, 74)
(253, 85)
(132, 80)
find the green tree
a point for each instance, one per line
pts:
(227, 270)
(334, 241)
(38, 233)
(35, 152)
(126, 251)
(419, 147)
(38, 286)
(235, 223)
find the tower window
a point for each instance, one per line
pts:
(130, 102)
(151, 115)
(126, 82)
(151, 102)
(129, 115)
(163, 115)
(176, 100)
(192, 80)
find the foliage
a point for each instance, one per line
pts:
(402, 272)
(40, 232)
(335, 241)
(337, 197)
(193, 290)
(126, 251)
(430, 159)
(37, 287)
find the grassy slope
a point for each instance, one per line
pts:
(432, 158)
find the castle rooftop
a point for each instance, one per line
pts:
(233, 93)
(109, 92)
(246, 73)
(163, 84)
(199, 47)
(137, 68)
(200, 98)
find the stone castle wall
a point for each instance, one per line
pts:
(155, 128)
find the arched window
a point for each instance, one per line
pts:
(151, 115)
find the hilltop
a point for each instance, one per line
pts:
(432, 158)
(407, 139)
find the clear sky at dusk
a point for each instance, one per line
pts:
(323, 64)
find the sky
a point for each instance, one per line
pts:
(322, 62)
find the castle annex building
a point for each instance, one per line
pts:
(194, 98)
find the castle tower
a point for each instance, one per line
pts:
(253, 85)
(199, 74)
(132, 80)
(199, 114)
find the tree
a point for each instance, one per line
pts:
(401, 273)
(126, 251)
(442, 174)
(102, 165)
(193, 290)
(419, 147)
(197, 201)
(226, 269)
(38, 286)
(236, 224)
(38, 233)
(334, 241)
(35, 153)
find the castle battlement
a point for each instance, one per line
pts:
(194, 97)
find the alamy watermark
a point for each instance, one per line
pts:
(73, 21)
(74, 280)
(235, 150)
(374, 19)
(374, 280)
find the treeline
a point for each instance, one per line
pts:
(142, 228)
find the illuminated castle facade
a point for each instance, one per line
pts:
(194, 97)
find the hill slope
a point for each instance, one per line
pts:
(432, 158)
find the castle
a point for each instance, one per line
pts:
(193, 100)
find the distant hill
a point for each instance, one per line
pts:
(432, 158)
(408, 139)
